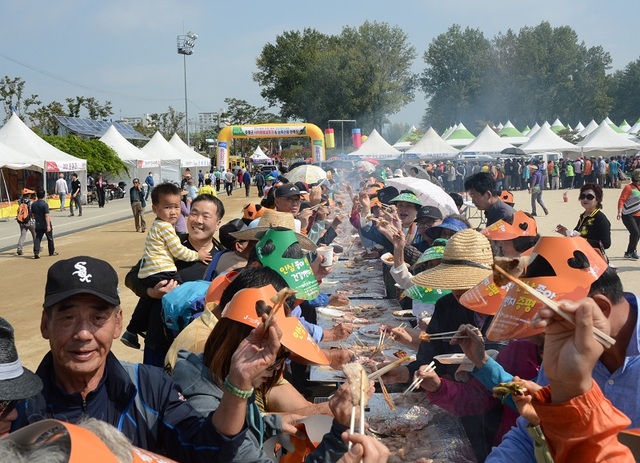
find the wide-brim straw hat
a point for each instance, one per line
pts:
(272, 219)
(467, 260)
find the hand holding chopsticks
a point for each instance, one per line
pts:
(418, 380)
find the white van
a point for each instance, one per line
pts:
(545, 157)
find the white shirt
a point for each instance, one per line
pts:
(61, 186)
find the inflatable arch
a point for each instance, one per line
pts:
(293, 130)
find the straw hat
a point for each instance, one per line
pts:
(272, 219)
(467, 260)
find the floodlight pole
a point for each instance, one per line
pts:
(186, 43)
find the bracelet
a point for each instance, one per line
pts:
(240, 393)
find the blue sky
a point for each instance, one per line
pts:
(125, 51)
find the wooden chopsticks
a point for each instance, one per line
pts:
(418, 381)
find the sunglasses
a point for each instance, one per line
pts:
(588, 197)
(6, 407)
(280, 359)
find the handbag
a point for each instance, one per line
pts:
(632, 204)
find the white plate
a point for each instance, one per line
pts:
(370, 331)
(404, 315)
(385, 256)
(330, 282)
(452, 359)
(329, 312)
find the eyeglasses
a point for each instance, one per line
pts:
(280, 359)
(7, 407)
(588, 197)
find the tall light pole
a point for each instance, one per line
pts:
(186, 43)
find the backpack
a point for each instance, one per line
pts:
(184, 304)
(24, 214)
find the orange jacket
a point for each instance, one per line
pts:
(582, 429)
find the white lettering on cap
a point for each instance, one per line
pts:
(82, 273)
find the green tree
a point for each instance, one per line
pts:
(11, 94)
(100, 157)
(364, 74)
(44, 120)
(625, 91)
(457, 65)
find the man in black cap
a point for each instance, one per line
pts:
(16, 383)
(82, 378)
(288, 199)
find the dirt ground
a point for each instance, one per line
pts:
(23, 278)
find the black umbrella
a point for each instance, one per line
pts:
(513, 151)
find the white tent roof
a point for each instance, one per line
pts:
(557, 125)
(258, 155)
(635, 128)
(512, 135)
(591, 126)
(403, 144)
(16, 160)
(579, 127)
(126, 151)
(624, 126)
(604, 138)
(189, 156)
(160, 148)
(35, 151)
(432, 146)
(546, 140)
(533, 130)
(487, 142)
(376, 147)
(615, 128)
(448, 131)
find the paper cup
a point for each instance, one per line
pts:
(327, 253)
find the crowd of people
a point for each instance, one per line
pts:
(229, 325)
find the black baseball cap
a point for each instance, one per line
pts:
(286, 190)
(429, 212)
(81, 275)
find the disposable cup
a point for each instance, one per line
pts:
(327, 253)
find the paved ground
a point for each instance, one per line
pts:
(108, 233)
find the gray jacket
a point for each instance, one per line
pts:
(204, 395)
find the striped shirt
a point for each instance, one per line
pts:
(161, 247)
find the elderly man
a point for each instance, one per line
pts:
(81, 376)
(482, 189)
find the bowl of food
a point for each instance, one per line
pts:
(370, 331)
(387, 258)
(329, 312)
(404, 315)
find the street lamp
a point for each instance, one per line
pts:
(186, 43)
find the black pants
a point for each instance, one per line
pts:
(142, 311)
(75, 200)
(247, 187)
(40, 232)
(633, 225)
(228, 187)
(100, 193)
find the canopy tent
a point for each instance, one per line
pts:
(460, 136)
(487, 142)
(376, 147)
(512, 135)
(448, 131)
(138, 162)
(403, 142)
(190, 158)
(579, 127)
(533, 130)
(605, 140)
(615, 128)
(525, 131)
(624, 126)
(591, 126)
(546, 140)
(635, 129)
(159, 148)
(35, 154)
(557, 126)
(432, 146)
(258, 157)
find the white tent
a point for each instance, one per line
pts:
(605, 140)
(258, 156)
(533, 130)
(591, 126)
(635, 128)
(190, 158)
(159, 148)
(579, 127)
(487, 142)
(557, 126)
(546, 140)
(376, 147)
(615, 128)
(624, 126)
(403, 143)
(448, 131)
(460, 136)
(139, 163)
(35, 153)
(432, 146)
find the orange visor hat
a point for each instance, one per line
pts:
(242, 308)
(523, 225)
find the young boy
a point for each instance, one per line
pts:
(161, 247)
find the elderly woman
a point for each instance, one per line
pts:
(208, 379)
(592, 224)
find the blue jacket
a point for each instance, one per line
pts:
(166, 425)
